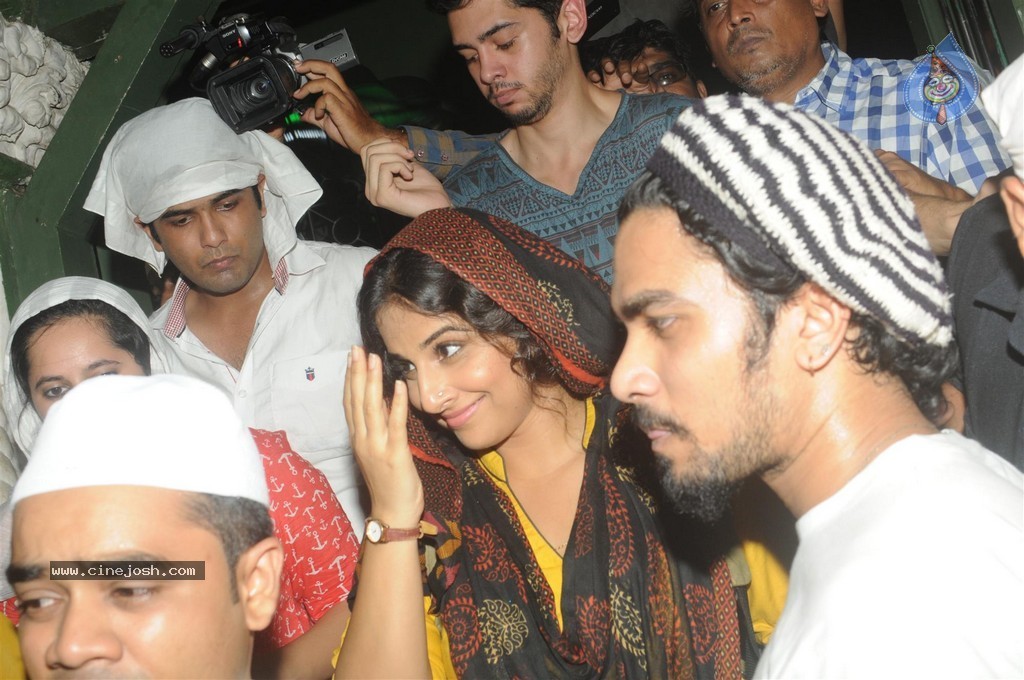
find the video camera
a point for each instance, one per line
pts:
(258, 88)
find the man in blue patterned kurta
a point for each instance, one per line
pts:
(572, 148)
(582, 222)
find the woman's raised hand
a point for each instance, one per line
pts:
(381, 443)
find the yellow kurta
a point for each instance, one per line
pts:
(547, 558)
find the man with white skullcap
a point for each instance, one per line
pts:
(986, 273)
(263, 315)
(100, 490)
(786, 318)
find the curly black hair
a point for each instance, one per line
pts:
(630, 43)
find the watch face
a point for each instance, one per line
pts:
(374, 531)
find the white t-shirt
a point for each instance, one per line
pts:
(914, 569)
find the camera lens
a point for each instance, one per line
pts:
(254, 92)
(259, 90)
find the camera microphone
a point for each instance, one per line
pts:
(189, 38)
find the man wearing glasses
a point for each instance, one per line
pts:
(645, 58)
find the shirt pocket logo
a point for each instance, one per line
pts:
(306, 397)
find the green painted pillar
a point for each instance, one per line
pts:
(928, 25)
(44, 232)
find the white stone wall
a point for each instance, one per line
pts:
(38, 78)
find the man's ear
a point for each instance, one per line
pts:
(151, 233)
(261, 185)
(572, 20)
(702, 89)
(819, 324)
(258, 574)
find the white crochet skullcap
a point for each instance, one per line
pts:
(163, 431)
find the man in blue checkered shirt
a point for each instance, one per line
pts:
(772, 50)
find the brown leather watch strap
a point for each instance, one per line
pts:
(389, 534)
(393, 534)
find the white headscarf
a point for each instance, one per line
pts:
(22, 418)
(162, 431)
(183, 151)
(1004, 103)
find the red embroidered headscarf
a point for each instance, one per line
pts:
(563, 304)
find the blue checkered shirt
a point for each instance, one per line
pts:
(865, 98)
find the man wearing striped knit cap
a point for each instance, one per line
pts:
(786, 319)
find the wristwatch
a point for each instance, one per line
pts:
(378, 532)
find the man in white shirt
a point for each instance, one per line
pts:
(263, 315)
(786, 318)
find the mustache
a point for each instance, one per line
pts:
(217, 256)
(495, 88)
(647, 419)
(742, 34)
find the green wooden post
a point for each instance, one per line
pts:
(1009, 20)
(928, 26)
(44, 232)
(926, 23)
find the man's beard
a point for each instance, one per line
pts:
(706, 485)
(547, 81)
(768, 74)
(706, 498)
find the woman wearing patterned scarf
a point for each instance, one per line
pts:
(546, 560)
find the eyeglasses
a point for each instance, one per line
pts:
(667, 74)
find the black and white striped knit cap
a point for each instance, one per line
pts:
(788, 186)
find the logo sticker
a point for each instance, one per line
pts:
(943, 86)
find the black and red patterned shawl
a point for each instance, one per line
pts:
(630, 609)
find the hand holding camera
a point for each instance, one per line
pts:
(337, 110)
(254, 62)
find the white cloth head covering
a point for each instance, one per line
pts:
(22, 418)
(1004, 102)
(162, 431)
(183, 151)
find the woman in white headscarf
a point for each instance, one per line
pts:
(51, 303)
(73, 298)
(76, 328)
